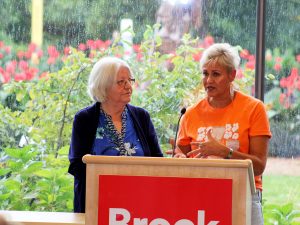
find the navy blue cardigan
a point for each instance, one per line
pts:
(83, 135)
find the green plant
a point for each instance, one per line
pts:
(50, 103)
(12, 127)
(32, 180)
(281, 214)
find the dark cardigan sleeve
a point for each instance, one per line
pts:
(83, 133)
(78, 147)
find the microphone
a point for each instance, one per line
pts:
(182, 112)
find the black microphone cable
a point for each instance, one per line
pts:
(182, 112)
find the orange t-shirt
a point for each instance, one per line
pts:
(232, 125)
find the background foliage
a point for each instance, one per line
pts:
(72, 22)
(46, 107)
(232, 22)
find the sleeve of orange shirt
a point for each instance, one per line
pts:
(259, 121)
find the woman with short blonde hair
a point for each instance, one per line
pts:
(226, 124)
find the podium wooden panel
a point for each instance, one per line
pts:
(43, 218)
(240, 171)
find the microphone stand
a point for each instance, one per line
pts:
(182, 112)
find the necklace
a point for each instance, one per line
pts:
(116, 137)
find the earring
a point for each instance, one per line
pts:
(231, 91)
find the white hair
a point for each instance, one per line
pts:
(103, 75)
(223, 54)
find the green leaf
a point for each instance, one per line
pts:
(286, 209)
(32, 167)
(20, 96)
(30, 195)
(270, 76)
(32, 94)
(4, 197)
(4, 171)
(46, 173)
(13, 152)
(11, 184)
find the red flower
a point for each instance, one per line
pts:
(29, 75)
(197, 56)
(51, 60)
(7, 49)
(298, 58)
(82, 47)
(250, 65)
(283, 82)
(277, 67)
(244, 54)
(278, 59)
(33, 70)
(23, 65)
(52, 51)
(11, 67)
(39, 53)
(290, 91)
(5, 75)
(251, 58)
(20, 76)
(101, 45)
(1, 55)
(32, 47)
(208, 40)
(107, 43)
(294, 73)
(1, 44)
(28, 54)
(1, 70)
(282, 98)
(67, 50)
(139, 56)
(287, 104)
(44, 75)
(136, 48)
(91, 44)
(20, 54)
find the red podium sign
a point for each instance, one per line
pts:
(144, 200)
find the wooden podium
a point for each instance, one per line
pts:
(240, 172)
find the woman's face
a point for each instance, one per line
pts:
(217, 80)
(121, 90)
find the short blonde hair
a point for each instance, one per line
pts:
(223, 54)
(103, 75)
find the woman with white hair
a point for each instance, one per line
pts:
(111, 126)
(226, 123)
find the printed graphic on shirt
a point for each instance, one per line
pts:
(227, 134)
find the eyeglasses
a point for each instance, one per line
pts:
(122, 83)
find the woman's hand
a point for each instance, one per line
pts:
(178, 153)
(209, 148)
